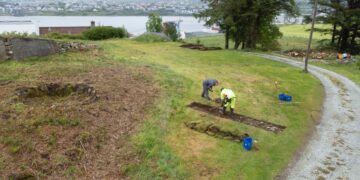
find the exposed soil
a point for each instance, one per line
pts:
(268, 126)
(214, 130)
(312, 55)
(56, 90)
(200, 47)
(73, 126)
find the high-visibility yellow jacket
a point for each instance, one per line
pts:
(228, 93)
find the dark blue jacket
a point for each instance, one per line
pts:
(209, 83)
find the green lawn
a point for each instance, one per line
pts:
(211, 41)
(179, 152)
(166, 148)
(296, 37)
(350, 71)
(301, 31)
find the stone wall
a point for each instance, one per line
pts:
(2, 50)
(21, 48)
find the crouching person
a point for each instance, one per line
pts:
(228, 99)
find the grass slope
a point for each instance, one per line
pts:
(296, 37)
(166, 148)
(252, 79)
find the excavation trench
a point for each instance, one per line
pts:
(200, 47)
(216, 131)
(238, 118)
(56, 90)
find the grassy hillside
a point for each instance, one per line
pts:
(252, 79)
(297, 37)
(164, 148)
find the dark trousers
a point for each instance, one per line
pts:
(205, 92)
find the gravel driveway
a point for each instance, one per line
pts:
(333, 152)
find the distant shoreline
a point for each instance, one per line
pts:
(100, 13)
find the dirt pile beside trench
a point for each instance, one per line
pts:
(200, 47)
(53, 128)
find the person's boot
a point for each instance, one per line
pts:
(231, 111)
(223, 111)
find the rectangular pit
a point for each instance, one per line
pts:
(268, 126)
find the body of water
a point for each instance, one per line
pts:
(134, 24)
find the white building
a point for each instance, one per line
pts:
(18, 27)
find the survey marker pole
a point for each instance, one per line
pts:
(311, 36)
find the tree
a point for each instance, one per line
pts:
(154, 23)
(247, 22)
(344, 15)
(171, 31)
(216, 14)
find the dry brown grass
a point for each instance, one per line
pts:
(63, 137)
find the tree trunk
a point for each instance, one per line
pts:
(339, 40)
(253, 32)
(227, 37)
(237, 44)
(354, 35)
(344, 40)
(333, 34)
(237, 37)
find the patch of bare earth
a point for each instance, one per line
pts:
(74, 135)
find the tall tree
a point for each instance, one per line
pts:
(247, 22)
(216, 14)
(344, 15)
(154, 23)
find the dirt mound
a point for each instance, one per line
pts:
(216, 131)
(200, 47)
(312, 55)
(268, 126)
(51, 131)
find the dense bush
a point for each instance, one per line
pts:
(100, 33)
(154, 24)
(171, 31)
(152, 37)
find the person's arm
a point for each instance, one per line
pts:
(210, 87)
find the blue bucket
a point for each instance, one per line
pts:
(284, 97)
(248, 143)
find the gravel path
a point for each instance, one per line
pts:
(333, 151)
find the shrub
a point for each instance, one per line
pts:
(171, 31)
(154, 24)
(152, 37)
(54, 35)
(101, 33)
(198, 42)
(358, 64)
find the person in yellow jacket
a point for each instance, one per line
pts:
(228, 99)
